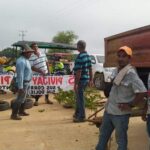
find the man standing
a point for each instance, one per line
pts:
(127, 91)
(24, 75)
(39, 65)
(83, 76)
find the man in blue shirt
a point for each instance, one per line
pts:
(24, 75)
(83, 76)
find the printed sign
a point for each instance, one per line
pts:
(50, 84)
(5, 80)
(41, 85)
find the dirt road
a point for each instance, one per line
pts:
(53, 129)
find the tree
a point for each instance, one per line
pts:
(65, 37)
(9, 52)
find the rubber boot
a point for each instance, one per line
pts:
(36, 100)
(22, 110)
(47, 100)
(15, 109)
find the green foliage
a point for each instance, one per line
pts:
(66, 37)
(65, 97)
(92, 97)
(9, 52)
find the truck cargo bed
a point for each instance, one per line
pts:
(138, 39)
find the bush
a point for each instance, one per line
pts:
(65, 97)
(92, 97)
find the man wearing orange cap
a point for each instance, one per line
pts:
(127, 91)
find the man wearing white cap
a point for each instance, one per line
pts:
(127, 91)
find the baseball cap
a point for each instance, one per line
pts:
(126, 49)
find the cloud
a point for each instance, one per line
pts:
(92, 20)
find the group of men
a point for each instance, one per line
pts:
(32, 61)
(127, 91)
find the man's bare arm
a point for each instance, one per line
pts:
(77, 77)
(37, 70)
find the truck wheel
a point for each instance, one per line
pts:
(99, 81)
(4, 105)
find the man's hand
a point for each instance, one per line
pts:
(124, 106)
(91, 83)
(144, 117)
(76, 87)
(38, 70)
(43, 73)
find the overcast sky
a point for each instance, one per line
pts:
(91, 20)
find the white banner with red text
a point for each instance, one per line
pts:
(41, 85)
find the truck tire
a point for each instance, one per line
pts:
(99, 81)
(28, 103)
(4, 105)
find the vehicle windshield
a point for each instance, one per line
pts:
(100, 59)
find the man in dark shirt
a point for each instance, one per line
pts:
(83, 76)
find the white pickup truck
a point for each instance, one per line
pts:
(100, 74)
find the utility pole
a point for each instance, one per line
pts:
(22, 34)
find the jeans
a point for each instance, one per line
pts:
(111, 122)
(148, 125)
(21, 97)
(80, 102)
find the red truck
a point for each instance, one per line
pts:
(139, 40)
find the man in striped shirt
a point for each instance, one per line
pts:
(39, 65)
(83, 76)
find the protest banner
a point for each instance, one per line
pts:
(41, 85)
(50, 84)
(5, 80)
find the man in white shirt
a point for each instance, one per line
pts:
(39, 65)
